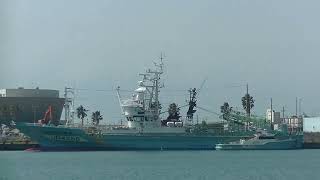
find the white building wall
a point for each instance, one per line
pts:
(293, 122)
(275, 116)
(311, 124)
(3, 93)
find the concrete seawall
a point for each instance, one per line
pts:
(311, 140)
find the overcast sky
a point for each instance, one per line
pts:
(272, 44)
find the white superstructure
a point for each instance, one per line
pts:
(143, 108)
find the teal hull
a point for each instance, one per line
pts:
(63, 138)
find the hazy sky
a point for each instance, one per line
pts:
(271, 44)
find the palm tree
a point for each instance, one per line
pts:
(247, 103)
(81, 113)
(96, 117)
(226, 111)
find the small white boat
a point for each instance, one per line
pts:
(265, 142)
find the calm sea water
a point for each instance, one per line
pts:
(154, 165)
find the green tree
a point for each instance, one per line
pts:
(247, 103)
(226, 111)
(96, 117)
(81, 113)
(173, 111)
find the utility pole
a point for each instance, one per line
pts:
(271, 110)
(247, 88)
(197, 119)
(296, 106)
(283, 112)
(300, 100)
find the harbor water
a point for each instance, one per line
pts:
(166, 165)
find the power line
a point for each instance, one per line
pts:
(204, 109)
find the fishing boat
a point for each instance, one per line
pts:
(144, 129)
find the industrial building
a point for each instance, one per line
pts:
(28, 105)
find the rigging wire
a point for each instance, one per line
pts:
(125, 90)
(212, 112)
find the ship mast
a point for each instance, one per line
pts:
(156, 86)
(192, 105)
(68, 105)
(143, 109)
